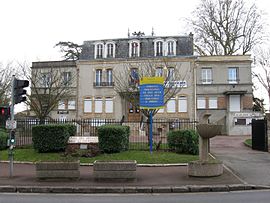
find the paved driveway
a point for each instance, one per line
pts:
(251, 166)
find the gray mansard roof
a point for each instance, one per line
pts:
(184, 46)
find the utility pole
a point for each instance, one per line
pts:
(18, 95)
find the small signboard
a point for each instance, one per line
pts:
(11, 124)
(151, 92)
(82, 139)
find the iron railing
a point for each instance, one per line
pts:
(88, 127)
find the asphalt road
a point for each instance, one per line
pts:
(251, 166)
(228, 197)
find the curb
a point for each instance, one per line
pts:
(130, 190)
(91, 164)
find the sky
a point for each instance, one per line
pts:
(29, 29)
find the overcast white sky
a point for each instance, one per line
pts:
(31, 28)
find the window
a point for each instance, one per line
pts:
(171, 48)
(182, 104)
(87, 106)
(134, 49)
(240, 121)
(206, 75)
(134, 77)
(159, 72)
(71, 105)
(110, 50)
(235, 103)
(99, 50)
(201, 103)
(109, 77)
(98, 105)
(170, 74)
(66, 78)
(171, 106)
(45, 80)
(109, 105)
(159, 48)
(98, 77)
(233, 75)
(61, 105)
(213, 103)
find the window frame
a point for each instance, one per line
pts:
(109, 99)
(201, 100)
(109, 77)
(173, 105)
(110, 48)
(233, 75)
(90, 106)
(182, 98)
(97, 101)
(98, 77)
(61, 105)
(207, 75)
(69, 105)
(159, 72)
(210, 102)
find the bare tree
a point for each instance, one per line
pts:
(262, 69)
(71, 50)
(226, 27)
(127, 81)
(6, 73)
(48, 87)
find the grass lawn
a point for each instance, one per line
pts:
(142, 157)
(248, 142)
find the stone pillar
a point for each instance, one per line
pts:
(203, 149)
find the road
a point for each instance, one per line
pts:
(251, 166)
(228, 197)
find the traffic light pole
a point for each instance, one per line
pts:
(10, 150)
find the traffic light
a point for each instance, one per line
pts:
(5, 111)
(12, 137)
(19, 92)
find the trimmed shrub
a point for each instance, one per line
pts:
(50, 138)
(71, 129)
(184, 141)
(113, 138)
(3, 139)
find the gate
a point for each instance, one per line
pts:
(259, 135)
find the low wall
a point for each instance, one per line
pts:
(115, 170)
(57, 170)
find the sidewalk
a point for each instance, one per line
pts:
(249, 165)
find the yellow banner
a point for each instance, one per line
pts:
(152, 80)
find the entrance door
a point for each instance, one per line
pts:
(133, 113)
(235, 103)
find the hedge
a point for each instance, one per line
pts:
(113, 138)
(3, 139)
(51, 138)
(184, 141)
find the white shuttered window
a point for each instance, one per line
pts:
(87, 106)
(171, 106)
(109, 105)
(98, 105)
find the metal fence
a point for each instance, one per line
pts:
(88, 127)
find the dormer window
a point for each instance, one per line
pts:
(99, 51)
(134, 48)
(171, 48)
(110, 50)
(159, 48)
(165, 47)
